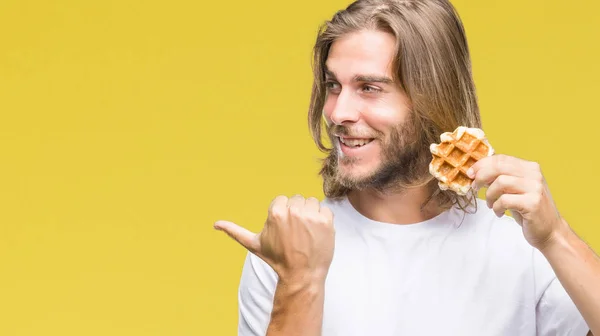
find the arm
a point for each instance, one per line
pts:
(297, 308)
(296, 248)
(519, 186)
(578, 269)
(265, 303)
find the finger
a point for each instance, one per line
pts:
(312, 204)
(278, 201)
(504, 184)
(486, 170)
(244, 237)
(296, 201)
(514, 202)
(327, 212)
(278, 211)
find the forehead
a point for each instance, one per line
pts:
(362, 52)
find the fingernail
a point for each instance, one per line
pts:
(470, 173)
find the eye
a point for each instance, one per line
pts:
(370, 89)
(332, 86)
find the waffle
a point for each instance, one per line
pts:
(458, 151)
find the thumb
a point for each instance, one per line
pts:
(246, 238)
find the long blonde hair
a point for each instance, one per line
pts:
(431, 64)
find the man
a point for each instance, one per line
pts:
(387, 252)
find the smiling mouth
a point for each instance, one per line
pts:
(355, 143)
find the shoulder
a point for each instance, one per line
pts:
(256, 273)
(497, 242)
(255, 296)
(484, 223)
(341, 209)
(502, 242)
(334, 204)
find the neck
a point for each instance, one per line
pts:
(403, 207)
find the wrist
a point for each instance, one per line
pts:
(558, 240)
(303, 280)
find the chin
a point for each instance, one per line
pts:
(357, 171)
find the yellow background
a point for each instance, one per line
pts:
(128, 127)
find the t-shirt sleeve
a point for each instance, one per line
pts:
(556, 314)
(255, 296)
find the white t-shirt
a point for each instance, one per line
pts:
(456, 274)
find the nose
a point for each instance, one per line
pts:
(344, 110)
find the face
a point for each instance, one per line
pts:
(368, 115)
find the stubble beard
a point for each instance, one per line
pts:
(404, 160)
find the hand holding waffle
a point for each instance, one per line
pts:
(465, 160)
(519, 186)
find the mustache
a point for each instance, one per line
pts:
(339, 130)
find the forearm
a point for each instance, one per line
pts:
(578, 269)
(297, 309)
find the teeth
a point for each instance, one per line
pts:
(355, 142)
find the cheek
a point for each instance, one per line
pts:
(390, 110)
(383, 119)
(328, 107)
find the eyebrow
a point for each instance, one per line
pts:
(365, 78)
